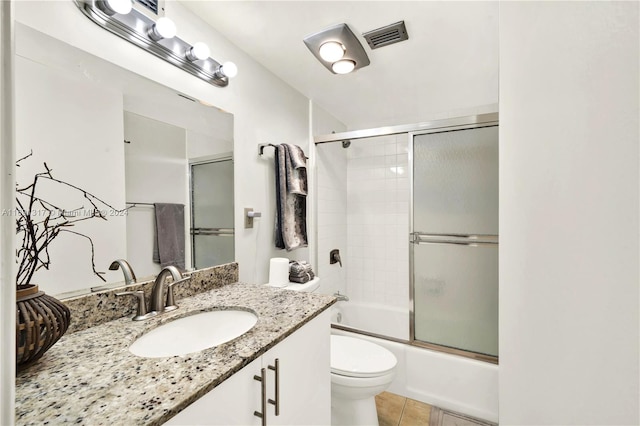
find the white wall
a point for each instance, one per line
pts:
(56, 119)
(265, 109)
(209, 130)
(7, 222)
(205, 145)
(569, 213)
(157, 154)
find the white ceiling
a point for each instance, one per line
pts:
(449, 63)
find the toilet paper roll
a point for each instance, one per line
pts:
(279, 271)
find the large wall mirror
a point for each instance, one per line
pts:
(129, 141)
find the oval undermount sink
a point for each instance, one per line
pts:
(194, 333)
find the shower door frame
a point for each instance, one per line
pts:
(411, 130)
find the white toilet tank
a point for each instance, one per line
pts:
(309, 287)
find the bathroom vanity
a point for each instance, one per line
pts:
(295, 386)
(90, 377)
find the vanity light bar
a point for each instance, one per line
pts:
(137, 28)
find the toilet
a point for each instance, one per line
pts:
(359, 371)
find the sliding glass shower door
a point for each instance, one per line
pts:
(454, 250)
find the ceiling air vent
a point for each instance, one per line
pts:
(152, 8)
(386, 35)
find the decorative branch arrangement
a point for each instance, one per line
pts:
(39, 222)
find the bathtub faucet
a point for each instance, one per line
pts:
(341, 297)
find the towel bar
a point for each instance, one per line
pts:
(262, 146)
(133, 204)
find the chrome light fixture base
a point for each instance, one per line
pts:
(134, 27)
(340, 33)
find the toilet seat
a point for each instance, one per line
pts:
(354, 357)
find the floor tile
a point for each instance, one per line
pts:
(415, 413)
(389, 408)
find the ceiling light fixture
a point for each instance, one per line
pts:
(344, 66)
(157, 37)
(331, 51)
(163, 28)
(338, 49)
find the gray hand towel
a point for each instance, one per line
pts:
(291, 205)
(296, 167)
(168, 247)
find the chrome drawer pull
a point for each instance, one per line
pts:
(262, 378)
(276, 402)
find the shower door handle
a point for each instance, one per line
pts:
(456, 239)
(212, 231)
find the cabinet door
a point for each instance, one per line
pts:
(304, 375)
(233, 402)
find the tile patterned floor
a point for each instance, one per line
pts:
(396, 410)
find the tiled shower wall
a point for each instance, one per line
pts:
(331, 178)
(378, 221)
(363, 210)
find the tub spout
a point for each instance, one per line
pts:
(341, 297)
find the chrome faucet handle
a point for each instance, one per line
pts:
(141, 313)
(334, 257)
(171, 304)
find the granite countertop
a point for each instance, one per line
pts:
(90, 377)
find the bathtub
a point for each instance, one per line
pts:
(373, 318)
(447, 381)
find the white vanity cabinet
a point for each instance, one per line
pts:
(300, 386)
(230, 403)
(304, 370)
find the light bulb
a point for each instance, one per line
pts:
(112, 7)
(331, 51)
(229, 69)
(163, 28)
(344, 66)
(198, 51)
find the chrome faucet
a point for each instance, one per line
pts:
(129, 275)
(157, 293)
